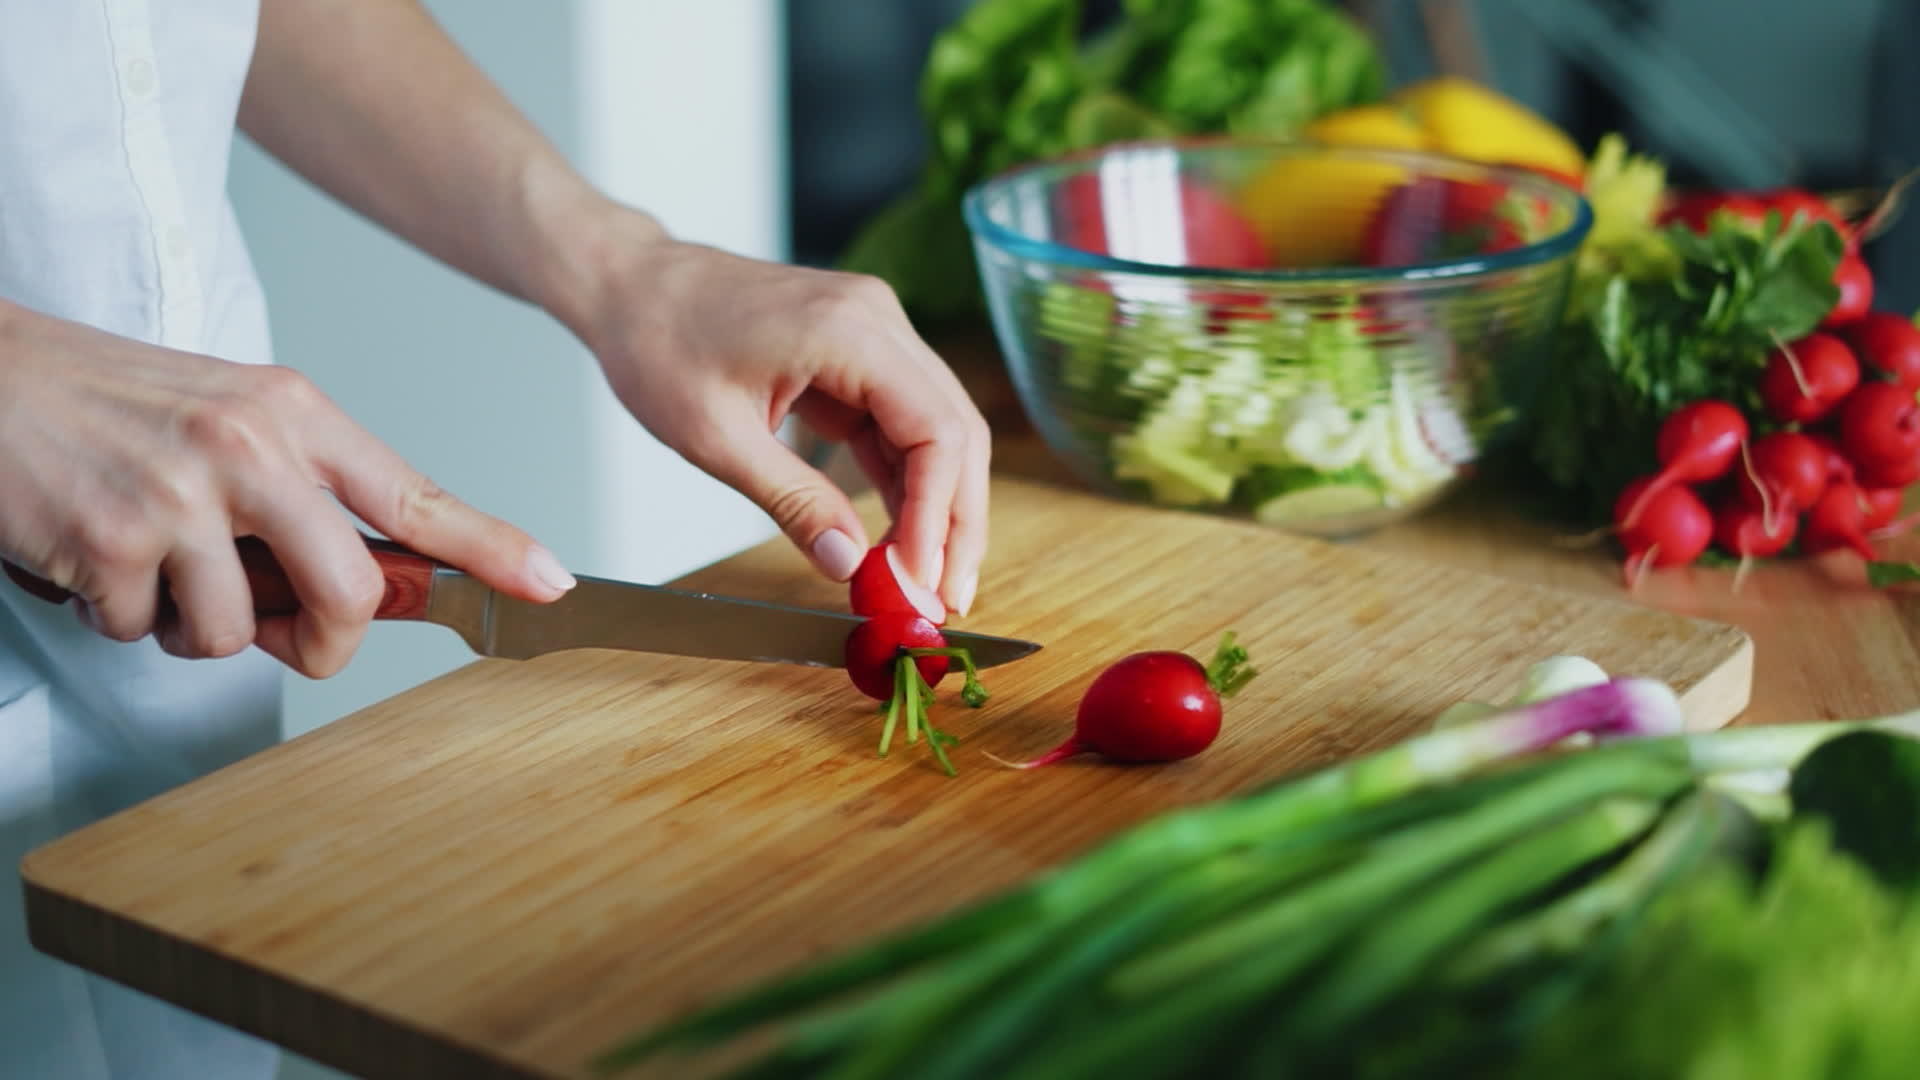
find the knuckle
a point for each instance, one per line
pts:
(851, 302)
(282, 388)
(106, 546)
(169, 490)
(871, 292)
(362, 591)
(327, 653)
(418, 504)
(121, 622)
(216, 641)
(227, 428)
(790, 507)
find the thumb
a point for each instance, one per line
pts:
(810, 509)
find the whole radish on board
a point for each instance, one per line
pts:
(1156, 706)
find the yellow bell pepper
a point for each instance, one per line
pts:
(1468, 120)
(1384, 125)
(1312, 209)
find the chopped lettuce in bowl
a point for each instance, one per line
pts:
(1326, 420)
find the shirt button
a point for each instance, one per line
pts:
(140, 77)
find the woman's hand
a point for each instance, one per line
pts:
(121, 462)
(711, 351)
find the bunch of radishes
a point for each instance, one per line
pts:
(1825, 463)
(1824, 467)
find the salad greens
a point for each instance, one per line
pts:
(1013, 80)
(1482, 897)
(1295, 416)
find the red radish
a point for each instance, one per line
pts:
(1837, 521)
(898, 657)
(1797, 203)
(1889, 474)
(1881, 505)
(1696, 211)
(1434, 217)
(876, 644)
(1741, 530)
(1153, 706)
(1697, 443)
(1880, 426)
(1856, 292)
(882, 586)
(1672, 529)
(1888, 344)
(1804, 380)
(1838, 465)
(1787, 473)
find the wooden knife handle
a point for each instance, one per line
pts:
(408, 574)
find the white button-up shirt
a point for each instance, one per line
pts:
(116, 121)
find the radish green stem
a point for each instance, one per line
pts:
(1225, 673)
(893, 709)
(920, 698)
(974, 692)
(916, 702)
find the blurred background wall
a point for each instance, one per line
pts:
(1728, 92)
(676, 107)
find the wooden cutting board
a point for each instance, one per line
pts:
(500, 872)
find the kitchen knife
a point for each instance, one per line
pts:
(597, 613)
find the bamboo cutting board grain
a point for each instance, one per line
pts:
(501, 871)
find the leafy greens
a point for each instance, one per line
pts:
(1011, 81)
(1682, 317)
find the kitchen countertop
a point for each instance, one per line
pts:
(1827, 646)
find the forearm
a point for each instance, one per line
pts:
(372, 102)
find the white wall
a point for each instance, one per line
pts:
(673, 107)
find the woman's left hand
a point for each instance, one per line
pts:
(711, 351)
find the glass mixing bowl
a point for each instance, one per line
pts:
(1320, 338)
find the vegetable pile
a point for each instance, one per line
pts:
(1723, 388)
(1485, 898)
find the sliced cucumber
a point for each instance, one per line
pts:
(1310, 504)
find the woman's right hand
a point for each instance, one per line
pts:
(121, 462)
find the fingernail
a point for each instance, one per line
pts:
(963, 601)
(542, 565)
(837, 554)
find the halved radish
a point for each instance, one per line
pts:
(881, 586)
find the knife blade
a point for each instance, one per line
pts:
(597, 613)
